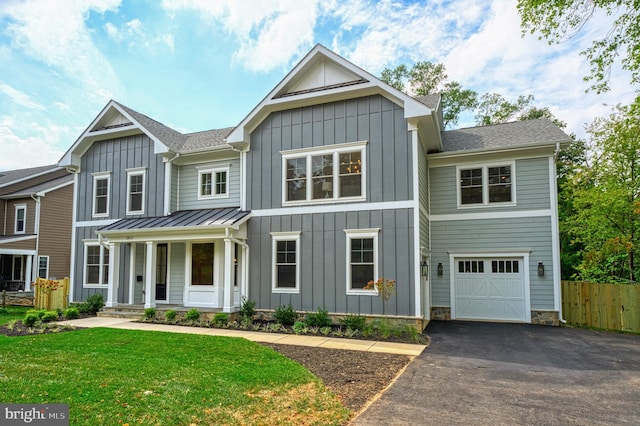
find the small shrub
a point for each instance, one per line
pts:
(193, 315)
(170, 315)
(274, 327)
(412, 333)
(247, 309)
(299, 327)
(95, 302)
(285, 315)
(149, 313)
(49, 316)
(30, 319)
(71, 313)
(354, 322)
(82, 307)
(325, 331)
(319, 319)
(221, 318)
(246, 323)
(38, 312)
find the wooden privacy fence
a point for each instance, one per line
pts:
(51, 294)
(608, 306)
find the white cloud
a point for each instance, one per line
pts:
(134, 32)
(19, 97)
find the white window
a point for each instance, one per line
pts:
(21, 219)
(96, 264)
(362, 260)
(135, 190)
(43, 266)
(285, 262)
(485, 185)
(320, 175)
(101, 188)
(213, 182)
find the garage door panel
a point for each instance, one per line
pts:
(496, 293)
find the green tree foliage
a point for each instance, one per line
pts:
(559, 20)
(427, 78)
(493, 108)
(606, 199)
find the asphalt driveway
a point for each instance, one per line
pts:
(498, 374)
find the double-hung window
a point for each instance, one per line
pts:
(136, 190)
(285, 262)
(21, 219)
(486, 185)
(101, 186)
(213, 182)
(43, 266)
(320, 175)
(96, 264)
(362, 259)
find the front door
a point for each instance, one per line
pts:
(161, 273)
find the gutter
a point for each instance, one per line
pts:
(555, 159)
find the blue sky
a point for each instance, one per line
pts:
(198, 64)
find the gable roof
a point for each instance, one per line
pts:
(519, 134)
(10, 177)
(323, 76)
(42, 188)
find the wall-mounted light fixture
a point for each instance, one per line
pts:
(540, 269)
(424, 268)
(440, 269)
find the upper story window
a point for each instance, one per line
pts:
(213, 182)
(101, 187)
(320, 175)
(21, 219)
(486, 185)
(362, 259)
(286, 262)
(135, 190)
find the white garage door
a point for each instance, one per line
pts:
(489, 289)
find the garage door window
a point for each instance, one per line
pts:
(504, 266)
(470, 266)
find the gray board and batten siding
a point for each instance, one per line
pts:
(389, 174)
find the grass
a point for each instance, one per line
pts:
(110, 376)
(13, 313)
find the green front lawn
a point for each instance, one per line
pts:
(13, 313)
(110, 376)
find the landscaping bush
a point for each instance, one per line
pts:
(170, 315)
(319, 319)
(247, 309)
(299, 327)
(38, 312)
(193, 315)
(285, 315)
(49, 316)
(30, 319)
(94, 303)
(220, 318)
(354, 322)
(149, 313)
(71, 313)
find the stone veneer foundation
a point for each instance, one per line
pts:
(551, 318)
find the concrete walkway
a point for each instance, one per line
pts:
(283, 339)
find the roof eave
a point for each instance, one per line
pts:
(466, 152)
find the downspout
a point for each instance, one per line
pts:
(167, 184)
(4, 229)
(36, 230)
(555, 186)
(243, 202)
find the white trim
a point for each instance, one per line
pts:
(362, 233)
(415, 163)
(334, 151)
(515, 214)
(523, 255)
(46, 276)
(275, 238)
(166, 203)
(132, 272)
(24, 219)
(18, 252)
(16, 239)
(139, 171)
(485, 184)
(335, 208)
(101, 283)
(87, 223)
(243, 181)
(213, 171)
(96, 177)
(74, 213)
(555, 236)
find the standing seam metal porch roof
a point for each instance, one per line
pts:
(221, 217)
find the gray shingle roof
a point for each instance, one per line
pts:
(207, 139)
(431, 101)
(42, 187)
(507, 135)
(180, 219)
(13, 175)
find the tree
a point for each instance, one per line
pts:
(606, 199)
(559, 20)
(493, 108)
(426, 78)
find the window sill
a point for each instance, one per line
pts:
(212, 197)
(362, 293)
(285, 290)
(99, 216)
(321, 201)
(484, 206)
(94, 285)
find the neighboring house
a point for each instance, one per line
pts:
(36, 225)
(333, 180)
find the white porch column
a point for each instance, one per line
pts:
(132, 273)
(114, 275)
(27, 273)
(150, 276)
(227, 296)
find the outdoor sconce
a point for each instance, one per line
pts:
(440, 269)
(540, 269)
(424, 268)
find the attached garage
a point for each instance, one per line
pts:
(490, 288)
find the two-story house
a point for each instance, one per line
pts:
(35, 239)
(333, 180)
